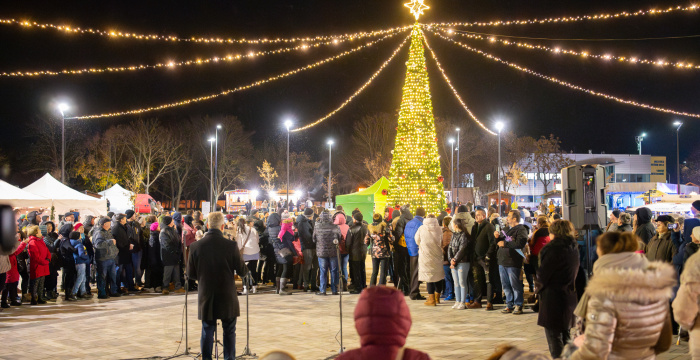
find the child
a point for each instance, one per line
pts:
(199, 234)
(81, 260)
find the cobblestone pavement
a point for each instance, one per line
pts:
(147, 324)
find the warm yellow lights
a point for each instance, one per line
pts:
(567, 84)
(567, 19)
(348, 100)
(585, 54)
(216, 40)
(240, 88)
(449, 83)
(417, 7)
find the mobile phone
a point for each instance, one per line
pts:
(498, 228)
(673, 226)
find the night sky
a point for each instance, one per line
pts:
(529, 105)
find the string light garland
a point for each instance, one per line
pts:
(454, 91)
(208, 40)
(348, 100)
(237, 89)
(569, 19)
(172, 64)
(583, 54)
(565, 83)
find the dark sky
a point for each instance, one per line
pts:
(529, 105)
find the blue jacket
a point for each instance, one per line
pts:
(82, 256)
(409, 234)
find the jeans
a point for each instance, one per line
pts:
(459, 274)
(206, 342)
(449, 282)
(512, 286)
(126, 276)
(106, 268)
(136, 262)
(171, 272)
(79, 279)
(378, 267)
(556, 339)
(324, 263)
(344, 259)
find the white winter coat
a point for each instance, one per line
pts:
(429, 241)
(686, 306)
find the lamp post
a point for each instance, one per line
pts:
(678, 125)
(639, 140)
(499, 127)
(458, 173)
(62, 107)
(288, 125)
(211, 172)
(216, 156)
(452, 174)
(330, 147)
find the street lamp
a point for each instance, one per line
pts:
(458, 173)
(452, 174)
(288, 125)
(216, 156)
(211, 172)
(330, 146)
(678, 125)
(63, 107)
(499, 127)
(639, 139)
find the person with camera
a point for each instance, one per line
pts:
(213, 261)
(661, 247)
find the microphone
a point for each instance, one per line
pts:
(335, 241)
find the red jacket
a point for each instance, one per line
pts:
(39, 257)
(382, 320)
(13, 274)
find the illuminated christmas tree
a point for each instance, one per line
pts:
(415, 167)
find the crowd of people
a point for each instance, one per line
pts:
(475, 257)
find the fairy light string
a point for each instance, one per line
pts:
(631, 60)
(363, 87)
(207, 40)
(570, 19)
(237, 89)
(172, 64)
(565, 83)
(454, 91)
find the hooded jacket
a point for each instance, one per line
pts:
(339, 219)
(154, 259)
(399, 218)
(273, 228)
(170, 251)
(645, 229)
(382, 320)
(39, 258)
(429, 241)
(410, 234)
(305, 229)
(686, 306)
(285, 240)
(355, 241)
(627, 316)
(325, 232)
(81, 257)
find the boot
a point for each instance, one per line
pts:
(430, 301)
(283, 283)
(345, 283)
(26, 297)
(277, 286)
(437, 298)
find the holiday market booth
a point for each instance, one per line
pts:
(18, 198)
(64, 199)
(370, 200)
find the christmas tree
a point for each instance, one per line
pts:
(415, 167)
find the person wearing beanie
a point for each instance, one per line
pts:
(612, 225)
(690, 224)
(305, 229)
(462, 209)
(378, 241)
(81, 260)
(357, 248)
(284, 252)
(410, 237)
(170, 254)
(120, 231)
(154, 276)
(106, 253)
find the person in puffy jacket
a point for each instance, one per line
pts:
(355, 244)
(410, 237)
(429, 241)
(106, 253)
(285, 252)
(12, 277)
(686, 305)
(326, 235)
(458, 254)
(81, 260)
(339, 219)
(378, 241)
(155, 264)
(170, 254)
(643, 228)
(39, 258)
(625, 306)
(274, 224)
(382, 320)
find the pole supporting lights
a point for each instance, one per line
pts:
(288, 125)
(499, 127)
(458, 173)
(678, 125)
(639, 140)
(211, 174)
(62, 108)
(330, 147)
(452, 174)
(216, 160)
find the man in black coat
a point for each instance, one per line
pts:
(125, 274)
(355, 244)
(305, 228)
(485, 263)
(645, 229)
(213, 262)
(510, 262)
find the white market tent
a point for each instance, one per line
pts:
(120, 199)
(16, 197)
(64, 199)
(666, 208)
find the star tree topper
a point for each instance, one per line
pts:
(417, 7)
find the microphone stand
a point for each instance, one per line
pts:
(340, 291)
(247, 354)
(187, 290)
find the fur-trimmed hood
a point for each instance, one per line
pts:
(652, 283)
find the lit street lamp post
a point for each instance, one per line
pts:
(216, 157)
(678, 125)
(499, 127)
(288, 124)
(639, 140)
(452, 175)
(458, 173)
(62, 107)
(211, 171)
(330, 147)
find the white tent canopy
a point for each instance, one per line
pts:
(120, 199)
(65, 199)
(16, 197)
(666, 207)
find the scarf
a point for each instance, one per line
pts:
(624, 260)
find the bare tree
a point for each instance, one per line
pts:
(334, 181)
(303, 173)
(547, 158)
(45, 152)
(372, 142)
(268, 175)
(690, 169)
